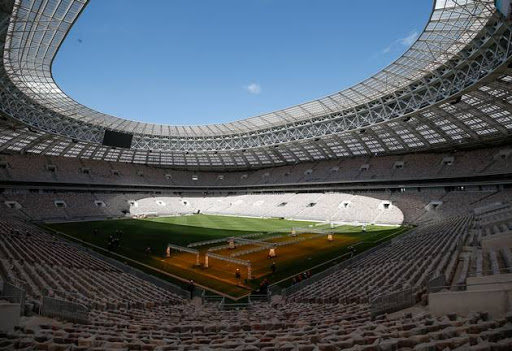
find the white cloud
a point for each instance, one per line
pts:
(253, 88)
(409, 40)
(396, 45)
(387, 50)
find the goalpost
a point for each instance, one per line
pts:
(231, 260)
(184, 249)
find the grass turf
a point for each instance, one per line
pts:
(157, 232)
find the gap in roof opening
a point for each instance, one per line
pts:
(202, 62)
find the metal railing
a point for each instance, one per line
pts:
(14, 294)
(436, 284)
(234, 306)
(215, 299)
(464, 287)
(13, 299)
(392, 302)
(488, 272)
(259, 298)
(67, 295)
(66, 310)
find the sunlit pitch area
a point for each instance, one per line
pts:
(206, 249)
(244, 260)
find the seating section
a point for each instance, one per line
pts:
(478, 260)
(496, 221)
(331, 314)
(410, 206)
(51, 267)
(279, 327)
(35, 168)
(41, 204)
(330, 311)
(307, 206)
(407, 262)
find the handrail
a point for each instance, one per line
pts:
(505, 270)
(465, 286)
(391, 302)
(11, 298)
(72, 311)
(18, 293)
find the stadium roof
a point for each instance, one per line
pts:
(451, 87)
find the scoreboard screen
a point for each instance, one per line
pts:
(117, 139)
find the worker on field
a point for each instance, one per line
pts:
(273, 267)
(237, 274)
(191, 288)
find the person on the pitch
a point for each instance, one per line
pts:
(237, 274)
(191, 288)
(273, 267)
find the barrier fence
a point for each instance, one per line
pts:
(259, 298)
(222, 303)
(216, 299)
(66, 310)
(235, 306)
(391, 302)
(490, 272)
(14, 294)
(436, 284)
(62, 294)
(465, 286)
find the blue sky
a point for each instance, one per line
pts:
(211, 61)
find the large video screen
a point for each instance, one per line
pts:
(117, 139)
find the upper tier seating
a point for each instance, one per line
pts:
(35, 168)
(307, 206)
(410, 206)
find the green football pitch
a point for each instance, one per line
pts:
(138, 234)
